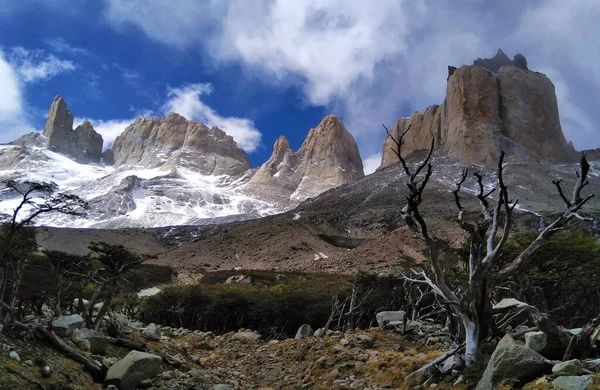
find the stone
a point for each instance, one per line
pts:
(111, 387)
(98, 342)
(14, 356)
(83, 143)
(547, 346)
(65, 325)
(173, 360)
(328, 158)
(246, 336)
(136, 367)
(319, 332)
(450, 364)
(239, 279)
(151, 333)
(584, 382)
(495, 63)
(512, 361)
(84, 345)
(385, 317)
(304, 332)
(145, 384)
(221, 387)
(175, 141)
(572, 367)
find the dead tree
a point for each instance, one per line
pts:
(473, 306)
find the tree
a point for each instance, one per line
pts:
(115, 261)
(473, 305)
(17, 236)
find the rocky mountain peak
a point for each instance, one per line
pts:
(328, 158)
(496, 104)
(84, 143)
(174, 141)
(501, 59)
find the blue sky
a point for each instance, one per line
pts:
(262, 68)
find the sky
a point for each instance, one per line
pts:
(262, 68)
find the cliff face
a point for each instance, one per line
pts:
(484, 112)
(328, 158)
(176, 141)
(84, 143)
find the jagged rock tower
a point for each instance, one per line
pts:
(328, 158)
(495, 104)
(84, 143)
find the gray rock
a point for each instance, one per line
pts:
(65, 325)
(512, 361)
(569, 368)
(246, 335)
(221, 387)
(14, 356)
(98, 342)
(573, 383)
(547, 346)
(239, 279)
(319, 332)
(84, 345)
(137, 366)
(304, 332)
(173, 360)
(112, 387)
(151, 333)
(385, 317)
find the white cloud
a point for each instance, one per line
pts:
(186, 101)
(371, 163)
(36, 65)
(109, 129)
(368, 61)
(13, 122)
(60, 45)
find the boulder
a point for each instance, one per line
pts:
(65, 325)
(304, 332)
(151, 333)
(512, 361)
(137, 366)
(572, 367)
(546, 345)
(584, 382)
(173, 360)
(385, 317)
(97, 341)
(246, 335)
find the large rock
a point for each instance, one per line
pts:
(546, 345)
(65, 325)
(572, 367)
(584, 382)
(151, 333)
(84, 143)
(494, 105)
(512, 362)
(175, 141)
(328, 158)
(98, 342)
(304, 332)
(137, 366)
(385, 317)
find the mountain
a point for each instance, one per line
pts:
(495, 104)
(328, 158)
(170, 171)
(83, 144)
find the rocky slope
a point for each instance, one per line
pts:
(496, 104)
(328, 158)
